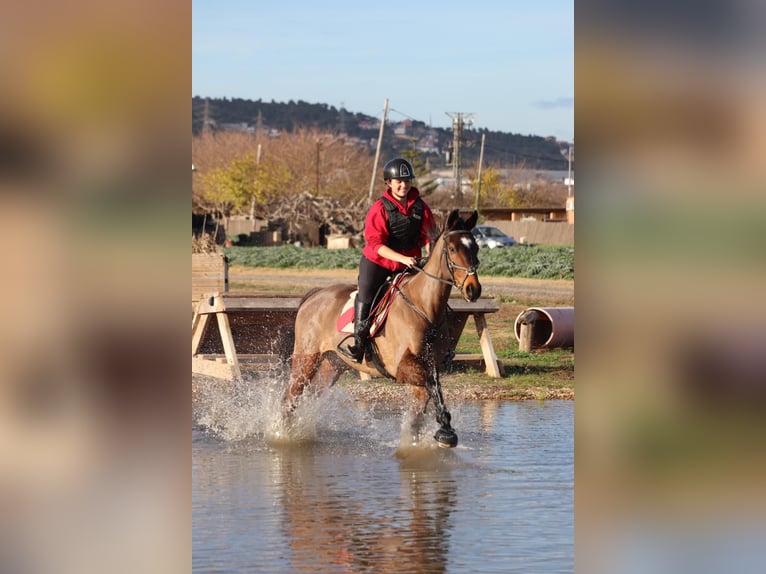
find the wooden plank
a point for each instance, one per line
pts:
(260, 358)
(480, 306)
(468, 357)
(525, 337)
(260, 303)
(210, 272)
(228, 344)
(208, 261)
(493, 370)
(244, 302)
(223, 302)
(212, 368)
(199, 324)
(526, 330)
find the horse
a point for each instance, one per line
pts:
(413, 342)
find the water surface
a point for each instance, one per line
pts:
(350, 495)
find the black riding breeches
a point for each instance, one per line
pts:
(371, 277)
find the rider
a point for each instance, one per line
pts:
(397, 226)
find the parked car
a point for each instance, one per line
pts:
(492, 237)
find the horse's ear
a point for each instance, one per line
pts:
(454, 216)
(471, 221)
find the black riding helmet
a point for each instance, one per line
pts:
(398, 168)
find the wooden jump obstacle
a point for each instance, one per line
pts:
(261, 327)
(210, 273)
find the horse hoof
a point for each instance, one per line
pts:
(446, 438)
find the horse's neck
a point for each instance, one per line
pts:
(429, 294)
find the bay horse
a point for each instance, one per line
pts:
(413, 342)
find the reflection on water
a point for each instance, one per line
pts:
(333, 520)
(353, 500)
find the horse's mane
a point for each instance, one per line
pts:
(309, 294)
(457, 224)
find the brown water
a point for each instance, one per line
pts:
(345, 491)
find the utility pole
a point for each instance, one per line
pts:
(377, 151)
(478, 184)
(259, 124)
(207, 121)
(458, 121)
(316, 188)
(252, 199)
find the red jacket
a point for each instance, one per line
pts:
(376, 230)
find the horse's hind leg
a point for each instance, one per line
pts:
(412, 372)
(303, 369)
(329, 371)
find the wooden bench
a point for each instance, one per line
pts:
(261, 327)
(478, 310)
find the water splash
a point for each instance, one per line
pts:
(250, 408)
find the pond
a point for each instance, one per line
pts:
(347, 492)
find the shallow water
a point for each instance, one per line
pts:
(346, 492)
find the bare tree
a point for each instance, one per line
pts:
(308, 177)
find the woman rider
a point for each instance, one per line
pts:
(397, 226)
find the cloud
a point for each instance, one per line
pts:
(557, 103)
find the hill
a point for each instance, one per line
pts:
(501, 149)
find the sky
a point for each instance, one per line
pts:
(506, 65)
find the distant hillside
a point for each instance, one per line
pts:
(501, 149)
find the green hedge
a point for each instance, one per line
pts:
(533, 261)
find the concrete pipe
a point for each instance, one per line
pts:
(545, 327)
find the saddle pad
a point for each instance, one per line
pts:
(345, 321)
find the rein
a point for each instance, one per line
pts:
(451, 266)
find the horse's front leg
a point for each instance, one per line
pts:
(445, 436)
(428, 387)
(413, 424)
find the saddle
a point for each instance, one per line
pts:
(380, 306)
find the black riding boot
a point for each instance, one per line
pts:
(361, 329)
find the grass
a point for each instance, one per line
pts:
(527, 261)
(538, 372)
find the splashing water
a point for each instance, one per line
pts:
(253, 408)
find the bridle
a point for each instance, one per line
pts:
(451, 265)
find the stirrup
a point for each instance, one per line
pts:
(346, 351)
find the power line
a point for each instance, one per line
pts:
(403, 114)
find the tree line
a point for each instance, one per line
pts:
(501, 148)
